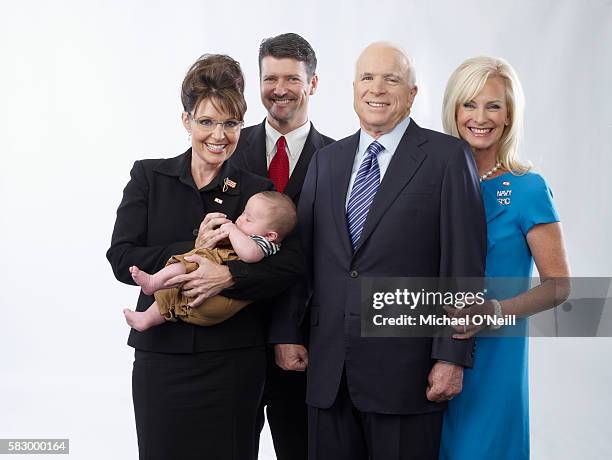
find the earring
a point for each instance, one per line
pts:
(189, 137)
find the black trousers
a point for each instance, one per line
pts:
(198, 406)
(342, 432)
(284, 401)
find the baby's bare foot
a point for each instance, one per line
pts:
(141, 320)
(136, 319)
(144, 280)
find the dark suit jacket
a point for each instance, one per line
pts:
(159, 216)
(250, 154)
(426, 220)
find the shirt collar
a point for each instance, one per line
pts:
(389, 141)
(295, 139)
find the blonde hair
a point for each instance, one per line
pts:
(466, 82)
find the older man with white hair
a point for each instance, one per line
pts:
(392, 200)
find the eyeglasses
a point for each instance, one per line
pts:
(209, 125)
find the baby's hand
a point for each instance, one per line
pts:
(228, 227)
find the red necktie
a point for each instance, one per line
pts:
(279, 166)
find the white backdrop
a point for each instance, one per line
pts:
(87, 87)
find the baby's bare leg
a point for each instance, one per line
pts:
(153, 283)
(143, 320)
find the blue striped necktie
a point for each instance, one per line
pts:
(365, 187)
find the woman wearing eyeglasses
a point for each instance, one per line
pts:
(196, 389)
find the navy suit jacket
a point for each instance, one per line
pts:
(427, 220)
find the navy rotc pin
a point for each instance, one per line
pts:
(503, 196)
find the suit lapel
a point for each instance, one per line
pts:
(312, 144)
(256, 151)
(340, 175)
(404, 164)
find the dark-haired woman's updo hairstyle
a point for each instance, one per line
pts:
(216, 77)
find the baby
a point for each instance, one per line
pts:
(267, 218)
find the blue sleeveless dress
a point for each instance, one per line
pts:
(490, 418)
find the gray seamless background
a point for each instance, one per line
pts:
(89, 87)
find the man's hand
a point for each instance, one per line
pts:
(291, 357)
(445, 381)
(205, 282)
(210, 232)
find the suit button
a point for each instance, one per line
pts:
(354, 274)
(195, 231)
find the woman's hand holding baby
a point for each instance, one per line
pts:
(210, 232)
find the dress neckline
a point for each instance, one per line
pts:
(496, 177)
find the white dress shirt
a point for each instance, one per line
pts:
(389, 141)
(295, 143)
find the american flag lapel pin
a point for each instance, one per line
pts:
(227, 182)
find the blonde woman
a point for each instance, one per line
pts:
(484, 104)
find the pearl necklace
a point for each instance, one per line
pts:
(490, 172)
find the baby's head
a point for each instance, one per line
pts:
(268, 214)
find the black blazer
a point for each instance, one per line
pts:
(159, 216)
(250, 154)
(427, 220)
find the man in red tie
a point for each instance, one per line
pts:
(281, 148)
